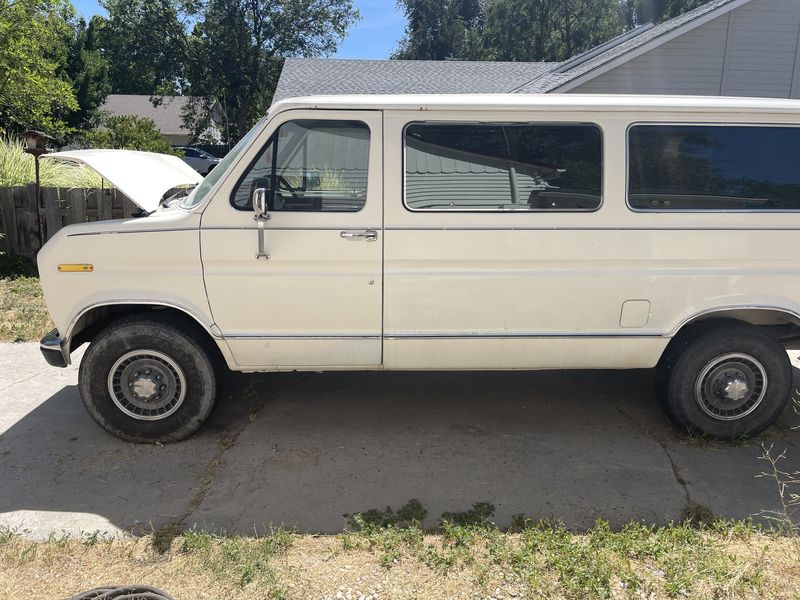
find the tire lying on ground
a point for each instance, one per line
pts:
(147, 378)
(726, 380)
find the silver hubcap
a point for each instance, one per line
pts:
(147, 385)
(731, 386)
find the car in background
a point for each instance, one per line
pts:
(200, 160)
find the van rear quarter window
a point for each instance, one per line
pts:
(503, 167)
(713, 167)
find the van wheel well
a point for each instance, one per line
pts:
(782, 326)
(97, 319)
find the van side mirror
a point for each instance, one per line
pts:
(259, 199)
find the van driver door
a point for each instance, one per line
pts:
(313, 298)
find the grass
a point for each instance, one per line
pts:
(386, 554)
(239, 561)
(23, 314)
(17, 168)
(328, 180)
(716, 559)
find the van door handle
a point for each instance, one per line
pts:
(365, 234)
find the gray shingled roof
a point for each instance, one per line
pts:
(319, 76)
(167, 116)
(588, 61)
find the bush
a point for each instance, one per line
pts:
(17, 168)
(12, 265)
(129, 132)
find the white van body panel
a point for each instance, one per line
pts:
(447, 290)
(511, 290)
(152, 261)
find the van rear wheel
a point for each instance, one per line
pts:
(728, 381)
(146, 379)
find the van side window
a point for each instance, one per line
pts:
(503, 167)
(713, 167)
(310, 165)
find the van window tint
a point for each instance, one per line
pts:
(713, 167)
(310, 165)
(503, 167)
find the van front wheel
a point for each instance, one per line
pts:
(729, 381)
(145, 379)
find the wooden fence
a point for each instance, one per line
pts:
(26, 224)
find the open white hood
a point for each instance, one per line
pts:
(144, 177)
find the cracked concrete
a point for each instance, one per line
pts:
(227, 440)
(691, 505)
(303, 450)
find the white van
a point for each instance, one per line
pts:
(445, 233)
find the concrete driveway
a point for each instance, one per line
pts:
(302, 450)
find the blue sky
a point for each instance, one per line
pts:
(375, 36)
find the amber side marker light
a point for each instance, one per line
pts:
(75, 268)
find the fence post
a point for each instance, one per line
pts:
(52, 213)
(77, 205)
(8, 219)
(104, 204)
(33, 222)
(34, 218)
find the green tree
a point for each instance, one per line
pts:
(548, 30)
(145, 44)
(86, 67)
(440, 29)
(128, 133)
(236, 50)
(639, 12)
(512, 30)
(583, 24)
(32, 95)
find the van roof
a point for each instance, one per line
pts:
(555, 102)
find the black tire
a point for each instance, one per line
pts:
(696, 374)
(679, 344)
(171, 354)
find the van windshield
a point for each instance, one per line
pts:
(201, 191)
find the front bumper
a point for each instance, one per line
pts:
(52, 347)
